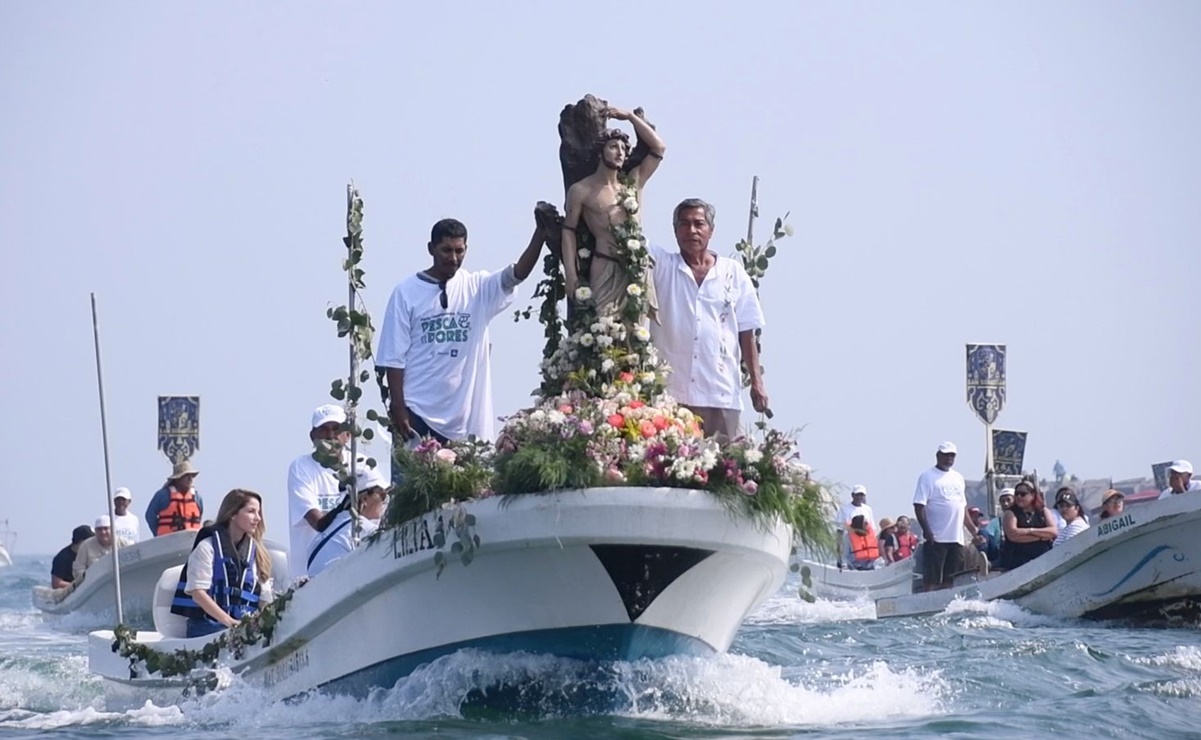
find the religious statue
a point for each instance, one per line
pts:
(604, 200)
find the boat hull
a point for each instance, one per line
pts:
(843, 584)
(1133, 566)
(600, 574)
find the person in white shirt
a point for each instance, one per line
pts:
(340, 537)
(1068, 507)
(434, 340)
(313, 489)
(842, 520)
(1180, 479)
(940, 505)
(709, 313)
(126, 525)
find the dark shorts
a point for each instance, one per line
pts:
(941, 561)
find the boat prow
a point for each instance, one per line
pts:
(1135, 566)
(598, 574)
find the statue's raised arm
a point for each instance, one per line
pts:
(647, 137)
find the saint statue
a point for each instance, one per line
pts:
(604, 200)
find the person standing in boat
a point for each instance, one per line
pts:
(1180, 480)
(176, 506)
(1029, 527)
(434, 341)
(62, 574)
(228, 574)
(1074, 521)
(907, 541)
(842, 521)
(709, 313)
(338, 539)
(125, 524)
(889, 545)
(940, 505)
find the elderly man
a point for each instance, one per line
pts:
(709, 311)
(434, 340)
(940, 506)
(95, 548)
(176, 506)
(1180, 475)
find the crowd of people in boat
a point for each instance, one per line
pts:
(957, 538)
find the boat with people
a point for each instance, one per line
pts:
(1143, 564)
(833, 583)
(599, 574)
(142, 563)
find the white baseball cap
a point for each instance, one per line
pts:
(859, 489)
(1182, 466)
(947, 448)
(122, 493)
(327, 413)
(103, 521)
(367, 478)
(1005, 492)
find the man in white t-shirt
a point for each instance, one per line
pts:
(1180, 476)
(842, 520)
(339, 538)
(434, 339)
(709, 312)
(313, 489)
(125, 525)
(940, 505)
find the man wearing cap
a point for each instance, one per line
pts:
(434, 340)
(176, 506)
(338, 539)
(95, 548)
(61, 573)
(125, 524)
(940, 506)
(842, 520)
(313, 488)
(1180, 479)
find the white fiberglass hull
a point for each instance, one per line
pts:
(843, 584)
(606, 574)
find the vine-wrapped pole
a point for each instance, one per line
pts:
(354, 230)
(108, 479)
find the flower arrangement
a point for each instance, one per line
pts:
(435, 475)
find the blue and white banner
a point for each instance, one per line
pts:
(986, 380)
(1160, 472)
(1008, 451)
(178, 426)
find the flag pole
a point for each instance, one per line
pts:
(108, 480)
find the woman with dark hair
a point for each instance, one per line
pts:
(228, 574)
(1029, 527)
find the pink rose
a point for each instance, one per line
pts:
(648, 429)
(750, 487)
(446, 455)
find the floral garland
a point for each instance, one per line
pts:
(255, 629)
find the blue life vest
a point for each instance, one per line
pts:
(236, 586)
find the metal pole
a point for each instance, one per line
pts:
(354, 381)
(108, 479)
(750, 222)
(988, 471)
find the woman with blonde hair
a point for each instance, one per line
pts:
(228, 574)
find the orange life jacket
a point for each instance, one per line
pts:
(906, 543)
(864, 546)
(181, 513)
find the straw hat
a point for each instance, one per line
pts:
(182, 468)
(1105, 497)
(885, 523)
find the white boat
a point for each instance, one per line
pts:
(142, 563)
(1143, 564)
(832, 583)
(7, 539)
(598, 574)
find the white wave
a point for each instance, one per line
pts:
(1187, 657)
(787, 607)
(1001, 614)
(41, 684)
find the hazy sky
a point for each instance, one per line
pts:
(1025, 173)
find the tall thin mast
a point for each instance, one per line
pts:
(108, 479)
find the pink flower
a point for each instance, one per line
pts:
(566, 408)
(750, 487)
(626, 377)
(648, 429)
(613, 475)
(446, 455)
(617, 421)
(661, 422)
(636, 404)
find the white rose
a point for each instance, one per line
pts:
(603, 342)
(634, 289)
(630, 204)
(538, 415)
(583, 293)
(587, 340)
(753, 456)
(555, 416)
(597, 328)
(642, 332)
(591, 373)
(606, 364)
(648, 378)
(584, 253)
(633, 245)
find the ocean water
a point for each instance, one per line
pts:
(795, 670)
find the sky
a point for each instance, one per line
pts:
(1021, 173)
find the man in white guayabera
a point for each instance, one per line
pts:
(434, 339)
(1180, 480)
(709, 311)
(940, 504)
